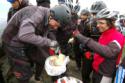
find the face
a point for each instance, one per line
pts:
(53, 23)
(123, 22)
(93, 15)
(102, 25)
(83, 17)
(16, 4)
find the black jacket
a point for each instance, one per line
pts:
(12, 11)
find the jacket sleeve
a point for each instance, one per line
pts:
(109, 51)
(27, 31)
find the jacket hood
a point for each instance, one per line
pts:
(24, 3)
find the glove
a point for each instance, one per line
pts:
(88, 55)
(51, 51)
(54, 44)
(71, 40)
(78, 21)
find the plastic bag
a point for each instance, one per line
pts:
(53, 69)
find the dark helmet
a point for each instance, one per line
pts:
(11, 1)
(106, 13)
(61, 13)
(85, 12)
(40, 1)
(97, 6)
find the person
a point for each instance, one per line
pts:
(25, 38)
(64, 33)
(16, 6)
(120, 73)
(74, 7)
(44, 3)
(95, 8)
(85, 57)
(107, 50)
(122, 24)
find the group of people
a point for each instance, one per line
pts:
(32, 31)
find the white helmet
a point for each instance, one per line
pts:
(97, 6)
(73, 5)
(122, 16)
(106, 13)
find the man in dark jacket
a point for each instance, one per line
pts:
(16, 6)
(95, 8)
(83, 53)
(25, 38)
(44, 3)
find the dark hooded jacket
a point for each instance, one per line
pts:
(12, 11)
(63, 34)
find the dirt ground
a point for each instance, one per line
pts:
(71, 71)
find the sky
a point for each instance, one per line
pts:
(117, 5)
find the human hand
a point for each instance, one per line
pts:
(75, 33)
(54, 44)
(71, 40)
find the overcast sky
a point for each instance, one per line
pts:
(118, 5)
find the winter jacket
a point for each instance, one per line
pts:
(106, 64)
(62, 35)
(28, 27)
(84, 28)
(107, 51)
